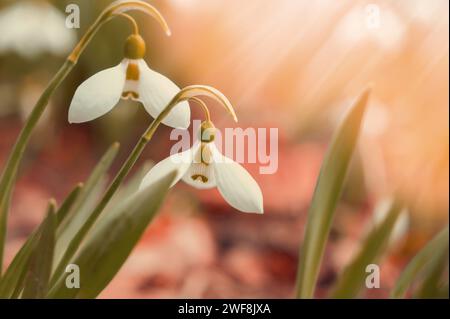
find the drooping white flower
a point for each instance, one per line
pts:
(203, 167)
(131, 79)
(30, 28)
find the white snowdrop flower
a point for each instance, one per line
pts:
(131, 79)
(31, 28)
(203, 167)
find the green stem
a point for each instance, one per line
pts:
(118, 179)
(12, 165)
(186, 93)
(10, 171)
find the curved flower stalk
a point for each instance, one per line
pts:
(185, 94)
(203, 167)
(10, 171)
(117, 8)
(130, 79)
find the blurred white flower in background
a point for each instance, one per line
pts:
(32, 28)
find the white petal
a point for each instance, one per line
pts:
(179, 162)
(237, 186)
(97, 95)
(156, 91)
(200, 176)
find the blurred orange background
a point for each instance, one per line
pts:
(292, 64)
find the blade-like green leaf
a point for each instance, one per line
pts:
(433, 273)
(40, 264)
(81, 209)
(107, 249)
(352, 279)
(9, 174)
(432, 285)
(5, 198)
(419, 262)
(442, 292)
(326, 196)
(14, 275)
(118, 202)
(68, 203)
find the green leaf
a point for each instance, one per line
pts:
(40, 264)
(68, 203)
(73, 246)
(11, 168)
(5, 198)
(118, 202)
(326, 196)
(442, 292)
(352, 279)
(438, 244)
(82, 207)
(433, 273)
(105, 251)
(14, 275)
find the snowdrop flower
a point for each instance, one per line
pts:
(203, 167)
(131, 79)
(31, 28)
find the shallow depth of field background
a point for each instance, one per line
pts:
(291, 64)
